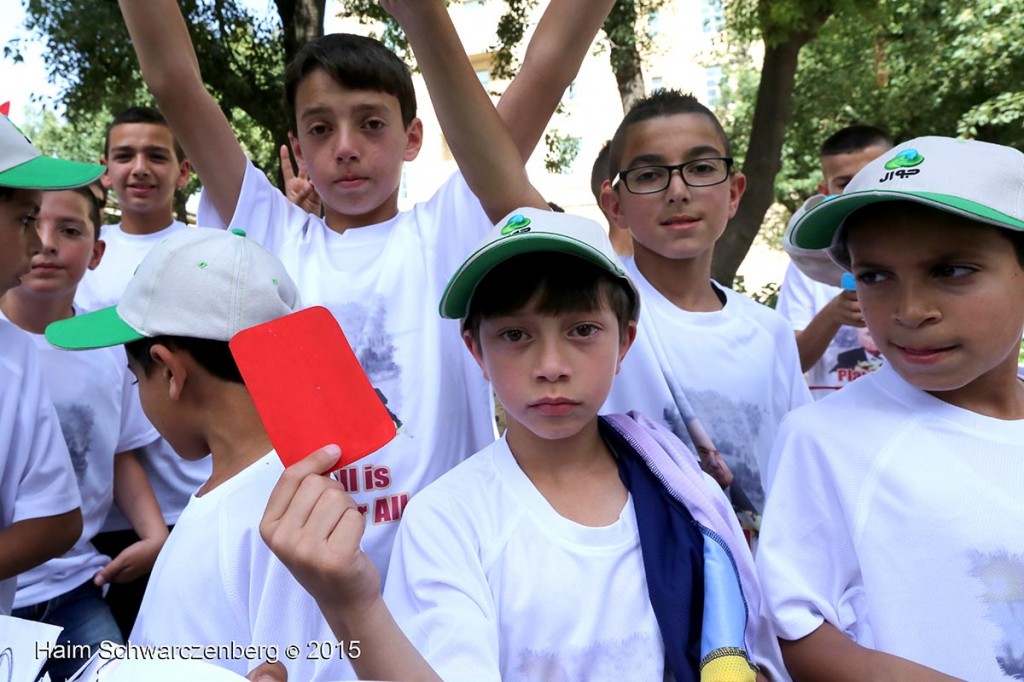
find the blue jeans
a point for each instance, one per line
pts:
(86, 620)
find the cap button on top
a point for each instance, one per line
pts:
(239, 231)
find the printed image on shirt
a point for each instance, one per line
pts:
(1002, 575)
(76, 422)
(609, 660)
(736, 425)
(365, 327)
(859, 360)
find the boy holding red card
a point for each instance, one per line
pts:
(215, 582)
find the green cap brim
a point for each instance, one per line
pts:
(819, 225)
(456, 297)
(100, 329)
(45, 173)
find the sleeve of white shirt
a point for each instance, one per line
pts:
(438, 593)
(806, 558)
(36, 452)
(796, 300)
(263, 211)
(450, 224)
(136, 430)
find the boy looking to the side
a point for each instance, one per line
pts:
(40, 515)
(144, 166)
(704, 354)
(215, 582)
(102, 423)
(377, 269)
(892, 544)
(825, 317)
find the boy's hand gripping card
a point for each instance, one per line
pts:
(309, 388)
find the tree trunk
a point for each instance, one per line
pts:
(772, 111)
(302, 21)
(620, 27)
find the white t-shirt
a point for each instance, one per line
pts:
(489, 582)
(36, 478)
(898, 518)
(846, 358)
(173, 479)
(216, 583)
(99, 413)
(738, 368)
(383, 283)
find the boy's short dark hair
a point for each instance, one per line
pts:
(566, 284)
(141, 115)
(601, 170)
(855, 138)
(6, 192)
(96, 194)
(213, 356)
(357, 63)
(872, 212)
(660, 103)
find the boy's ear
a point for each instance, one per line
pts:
(184, 174)
(822, 188)
(105, 178)
(293, 142)
(171, 368)
(737, 185)
(474, 347)
(611, 204)
(414, 139)
(625, 342)
(98, 249)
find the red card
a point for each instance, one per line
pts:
(309, 388)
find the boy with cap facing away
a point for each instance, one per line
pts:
(892, 544)
(376, 268)
(825, 317)
(40, 515)
(215, 582)
(674, 188)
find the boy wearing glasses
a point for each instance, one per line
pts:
(704, 354)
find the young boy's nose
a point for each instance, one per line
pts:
(345, 148)
(551, 362)
(677, 189)
(914, 306)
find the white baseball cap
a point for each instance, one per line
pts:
(23, 166)
(977, 180)
(199, 283)
(531, 230)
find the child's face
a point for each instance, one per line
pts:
(839, 169)
(680, 222)
(353, 144)
(944, 300)
(552, 373)
(18, 239)
(143, 169)
(69, 244)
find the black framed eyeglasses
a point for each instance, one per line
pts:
(696, 173)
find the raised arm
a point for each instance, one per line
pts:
(480, 143)
(553, 57)
(314, 528)
(170, 69)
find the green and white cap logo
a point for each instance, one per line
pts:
(530, 230)
(977, 180)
